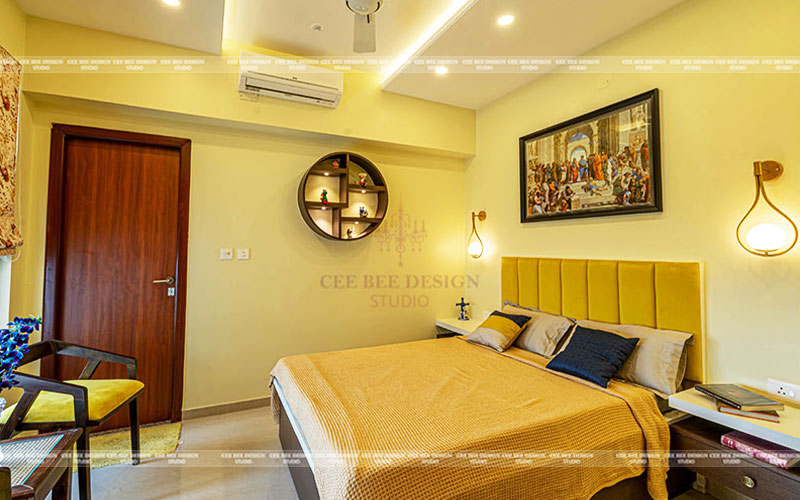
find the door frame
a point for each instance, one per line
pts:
(59, 135)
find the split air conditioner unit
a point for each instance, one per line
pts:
(272, 77)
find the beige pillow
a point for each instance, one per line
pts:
(659, 360)
(542, 333)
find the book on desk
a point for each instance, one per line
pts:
(786, 432)
(739, 398)
(763, 450)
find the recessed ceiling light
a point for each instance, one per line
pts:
(505, 20)
(172, 3)
(441, 70)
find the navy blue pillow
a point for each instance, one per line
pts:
(593, 355)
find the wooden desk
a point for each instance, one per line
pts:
(54, 473)
(786, 433)
(695, 444)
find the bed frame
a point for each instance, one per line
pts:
(666, 295)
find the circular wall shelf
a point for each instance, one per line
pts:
(355, 197)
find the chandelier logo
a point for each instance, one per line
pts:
(403, 233)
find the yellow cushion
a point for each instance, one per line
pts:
(105, 396)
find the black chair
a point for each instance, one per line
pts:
(49, 405)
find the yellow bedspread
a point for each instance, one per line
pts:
(446, 418)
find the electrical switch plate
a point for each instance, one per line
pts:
(226, 254)
(243, 254)
(783, 389)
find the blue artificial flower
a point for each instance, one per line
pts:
(13, 345)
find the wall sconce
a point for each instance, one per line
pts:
(474, 243)
(764, 229)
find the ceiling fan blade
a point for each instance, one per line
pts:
(364, 34)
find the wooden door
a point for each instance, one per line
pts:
(117, 224)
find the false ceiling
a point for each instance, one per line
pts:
(289, 26)
(194, 24)
(541, 28)
(324, 28)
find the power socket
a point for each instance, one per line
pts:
(783, 389)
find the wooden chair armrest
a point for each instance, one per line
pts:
(95, 357)
(32, 386)
(37, 351)
(5, 483)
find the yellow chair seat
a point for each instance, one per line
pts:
(105, 396)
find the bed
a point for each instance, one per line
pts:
(450, 419)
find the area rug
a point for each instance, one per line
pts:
(113, 448)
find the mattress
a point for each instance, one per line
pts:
(446, 418)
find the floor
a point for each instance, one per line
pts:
(209, 447)
(207, 474)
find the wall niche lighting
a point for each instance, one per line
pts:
(474, 243)
(765, 229)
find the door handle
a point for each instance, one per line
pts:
(168, 281)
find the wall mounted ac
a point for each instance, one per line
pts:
(274, 77)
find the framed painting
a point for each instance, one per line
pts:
(607, 162)
(10, 71)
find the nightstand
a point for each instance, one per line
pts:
(695, 446)
(453, 327)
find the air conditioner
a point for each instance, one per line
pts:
(311, 85)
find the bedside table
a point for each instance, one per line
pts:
(695, 445)
(453, 327)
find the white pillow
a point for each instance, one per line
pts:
(543, 333)
(659, 360)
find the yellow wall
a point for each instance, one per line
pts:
(247, 160)
(244, 315)
(12, 27)
(366, 112)
(713, 128)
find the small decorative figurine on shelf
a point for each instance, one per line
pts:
(362, 180)
(362, 211)
(350, 233)
(463, 314)
(324, 196)
(335, 163)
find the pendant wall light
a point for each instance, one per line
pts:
(765, 230)
(475, 244)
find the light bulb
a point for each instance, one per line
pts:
(767, 237)
(505, 20)
(475, 249)
(474, 242)
(765, 230)
(441, 70)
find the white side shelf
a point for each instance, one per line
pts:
(785, 433)
(460, 327)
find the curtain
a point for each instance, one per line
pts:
(10, 73)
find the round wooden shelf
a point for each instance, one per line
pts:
(340, 219)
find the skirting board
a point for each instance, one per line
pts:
(210, 411)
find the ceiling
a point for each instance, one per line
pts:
(286, 25)
(195, 24)
(542, 28)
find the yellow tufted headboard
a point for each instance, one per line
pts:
(667, 295)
